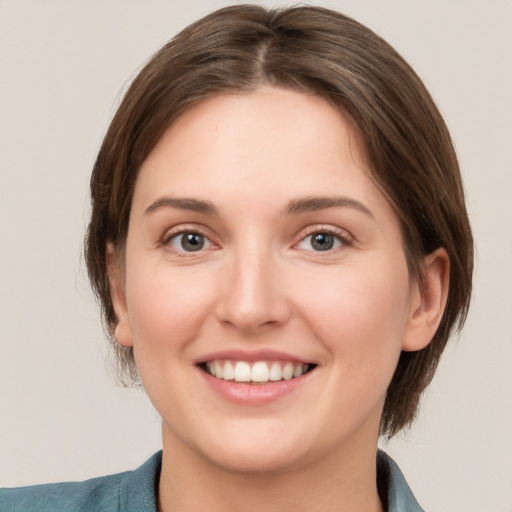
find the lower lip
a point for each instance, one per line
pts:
(248, 393)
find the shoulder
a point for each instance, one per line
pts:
(399, 495)
(95, 494)
(123, 492)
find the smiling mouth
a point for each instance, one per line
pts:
(258, 372)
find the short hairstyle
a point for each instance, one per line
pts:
(406, 144)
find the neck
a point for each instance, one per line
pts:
(339, 482)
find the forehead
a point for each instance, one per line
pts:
(253, 154)
(269, 129)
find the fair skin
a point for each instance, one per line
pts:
(230, 268)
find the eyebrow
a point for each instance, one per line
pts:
(183, 203)
(313, 203)
(296, 206)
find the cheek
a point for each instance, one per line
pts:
(360, 314)
(167, 313)
(166, 308)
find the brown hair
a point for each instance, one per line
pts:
(407, 144)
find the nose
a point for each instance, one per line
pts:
(253, 295)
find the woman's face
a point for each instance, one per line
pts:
(259, 251)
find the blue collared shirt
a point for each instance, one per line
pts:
(136, 491)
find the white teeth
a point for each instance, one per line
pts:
(260, 371)
(229, 371)
(242, 371)
(218, 370)
(275, 372)
(299, 370)
(288, 371)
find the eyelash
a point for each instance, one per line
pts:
(175, 235)
(341, 236)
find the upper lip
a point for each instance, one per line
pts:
(252, 356)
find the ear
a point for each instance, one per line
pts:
(429, 296)
(123, 331)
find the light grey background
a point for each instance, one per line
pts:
(63, 65)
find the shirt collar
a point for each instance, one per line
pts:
(139, 490)
(399, 495)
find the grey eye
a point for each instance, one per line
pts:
(321, 241)
(188, 242)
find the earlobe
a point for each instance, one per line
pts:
(428, 302)
(122, 331)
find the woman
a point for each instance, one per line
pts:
(281, 249)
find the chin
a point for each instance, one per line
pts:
(251, 460)
(260, 446)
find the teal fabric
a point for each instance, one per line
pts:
(132, 491)
(400, 496)
(135, 491)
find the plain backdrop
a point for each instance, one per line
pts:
(63, 68)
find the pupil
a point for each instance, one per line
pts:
(192, 242)
(322, 241)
